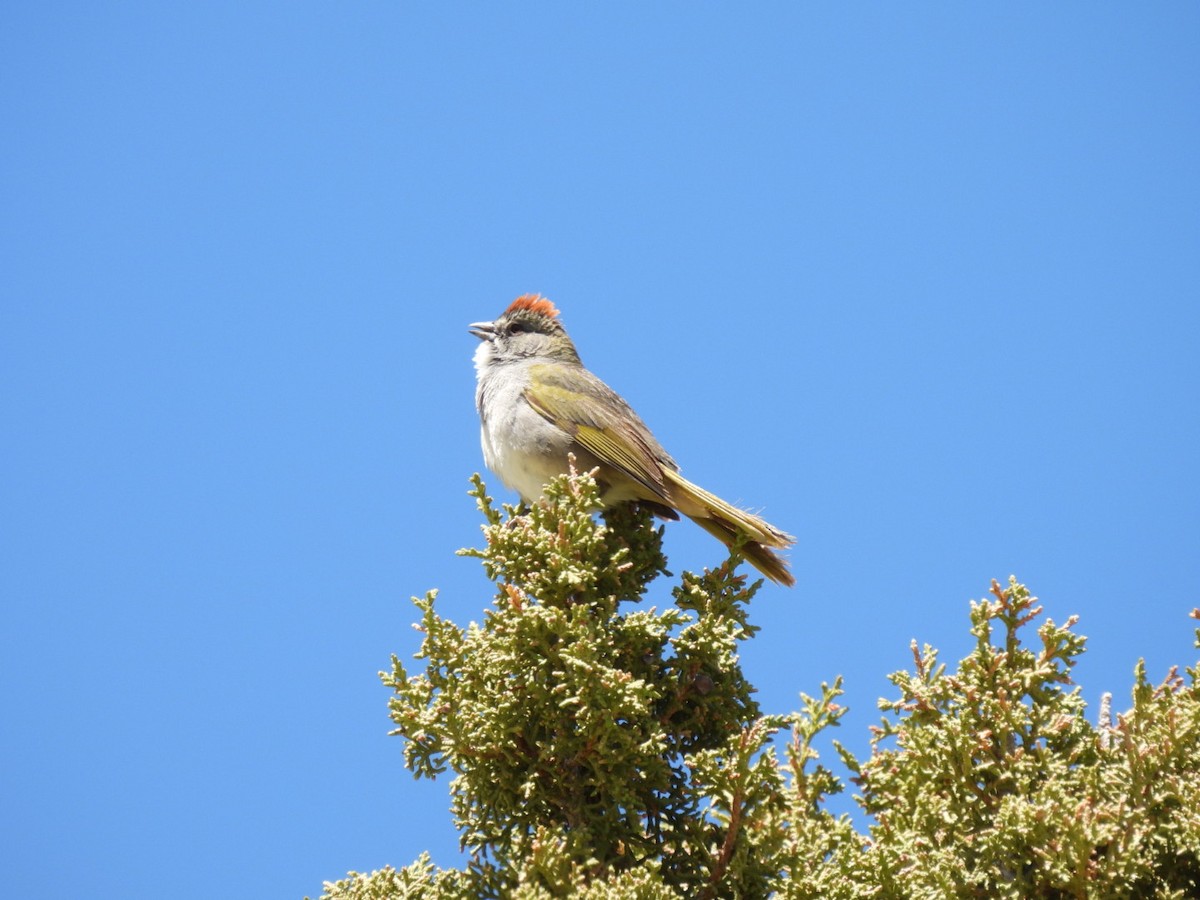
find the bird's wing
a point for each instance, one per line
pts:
(587, 409)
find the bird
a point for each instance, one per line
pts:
(538, 405)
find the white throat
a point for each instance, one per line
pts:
(485, 355)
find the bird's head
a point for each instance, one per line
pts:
(528, 329)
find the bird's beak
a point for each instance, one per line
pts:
(485, 331)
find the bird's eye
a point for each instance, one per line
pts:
(516, 328)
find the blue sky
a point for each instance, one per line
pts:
(919, 282)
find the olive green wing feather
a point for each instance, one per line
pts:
(589, 410)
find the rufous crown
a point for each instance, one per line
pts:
(534, 303)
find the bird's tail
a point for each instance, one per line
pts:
(727, 524)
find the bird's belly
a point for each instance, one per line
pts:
(526, 457)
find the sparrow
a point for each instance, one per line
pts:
(537, 404)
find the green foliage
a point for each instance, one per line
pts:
(603, 749)
(996, 785)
